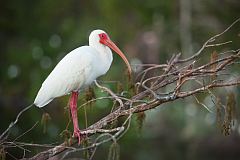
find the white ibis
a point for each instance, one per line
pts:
(77, 70)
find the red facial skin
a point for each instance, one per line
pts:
(103, 38)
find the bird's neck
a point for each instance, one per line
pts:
(105, 57)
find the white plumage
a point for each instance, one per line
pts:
(76, 70)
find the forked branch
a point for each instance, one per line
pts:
(178, 78)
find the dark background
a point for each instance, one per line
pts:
(35, 35)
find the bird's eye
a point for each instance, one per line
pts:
(102, 36)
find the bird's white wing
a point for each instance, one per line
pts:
(72, 73)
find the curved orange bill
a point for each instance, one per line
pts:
(110, 44)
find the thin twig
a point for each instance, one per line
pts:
(15, 122)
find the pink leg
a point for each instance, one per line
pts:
(73, 107)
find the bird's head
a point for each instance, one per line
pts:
(104, 39)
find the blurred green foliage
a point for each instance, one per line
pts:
(35, 35)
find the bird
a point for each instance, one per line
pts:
(77, 70)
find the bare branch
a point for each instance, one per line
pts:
(178, 78)
(212, 39)
(13, 123)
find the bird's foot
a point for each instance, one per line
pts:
(77, 134)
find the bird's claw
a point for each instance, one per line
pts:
(77, 134)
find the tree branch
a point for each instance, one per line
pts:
(171, 82)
